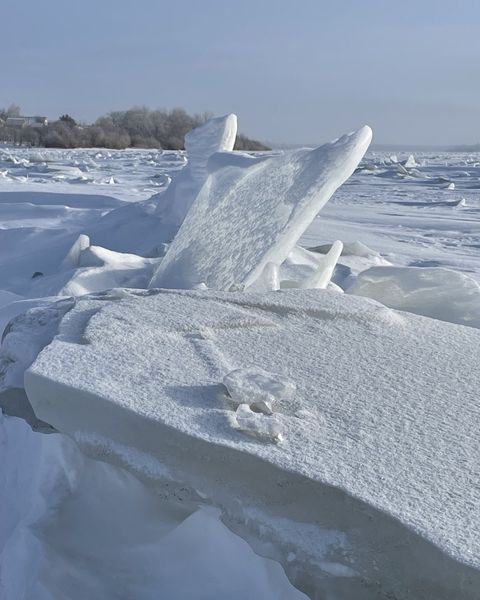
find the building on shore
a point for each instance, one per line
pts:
(20, 122)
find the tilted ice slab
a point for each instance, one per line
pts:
(216, 135)
(430, 291)
(253, 210)
(145, 227)
(374, 487)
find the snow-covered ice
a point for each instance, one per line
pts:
(216, 135)
(378, 418)
(433, 292)
(363, 483)
(76, 528)
(253, 210)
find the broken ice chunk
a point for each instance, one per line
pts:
(257, 424)
(264, 406)
(255, 387)
(250, 211)
(268, 281)
(410, 162)
(321, 277)
(72, 260)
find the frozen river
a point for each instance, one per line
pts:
(417, 211)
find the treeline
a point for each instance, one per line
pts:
(138, 127)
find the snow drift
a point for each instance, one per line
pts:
(76, 528)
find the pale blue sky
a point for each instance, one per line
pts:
(294, 71)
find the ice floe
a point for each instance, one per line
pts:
(430, 291)
(370, 407)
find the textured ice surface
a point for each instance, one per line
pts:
(252, 211)
(385, 411)
(408, 216)
(431, 291)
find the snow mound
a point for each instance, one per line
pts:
(134, 228)
(430, 291)
(76, 528)
(101, 269)
(253, 210)
(373, 427)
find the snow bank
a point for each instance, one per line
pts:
(72, 527)
(430, 291)
(253, 210)
(381, 416)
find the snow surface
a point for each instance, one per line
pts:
(379, 527)
(385, 411)
(76, 528)
(408, 217)
(253, 210)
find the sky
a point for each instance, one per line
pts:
(296, 71)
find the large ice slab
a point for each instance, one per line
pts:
(374, 483)
(252, 211)
(216, 135)
(430, 291)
